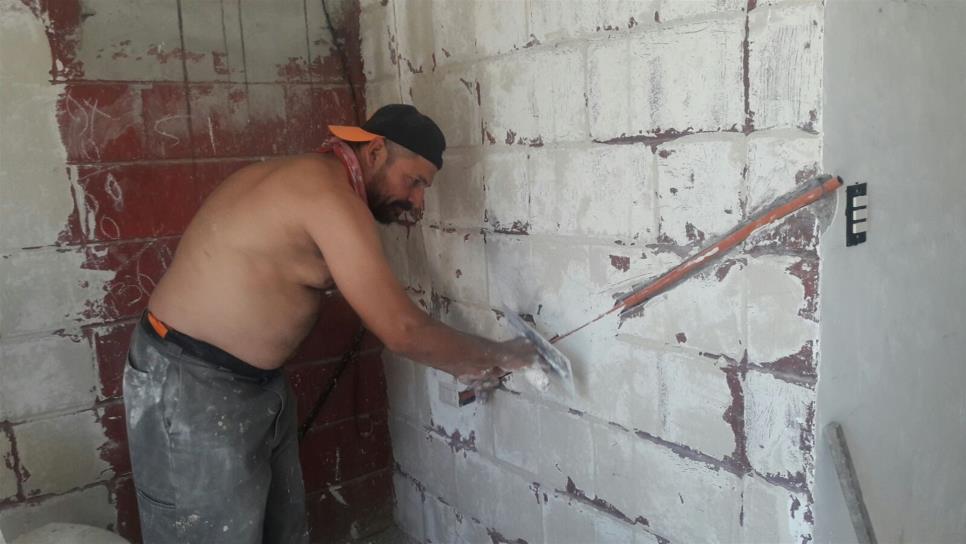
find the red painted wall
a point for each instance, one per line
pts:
(144, 150)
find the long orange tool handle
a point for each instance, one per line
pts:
(720, 247)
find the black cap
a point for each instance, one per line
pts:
(404, 125)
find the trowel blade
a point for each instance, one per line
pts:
(558, 362)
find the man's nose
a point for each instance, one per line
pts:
(418, 198)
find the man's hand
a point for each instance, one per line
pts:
(509, 356)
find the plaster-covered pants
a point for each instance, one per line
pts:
(215, 454)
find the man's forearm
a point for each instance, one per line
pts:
(439, 346)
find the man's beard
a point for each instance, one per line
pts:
(384, 208)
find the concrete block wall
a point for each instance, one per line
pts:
(594, 144)
(116, 120)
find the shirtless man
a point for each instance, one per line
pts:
(211, 419)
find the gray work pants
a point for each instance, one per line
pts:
(214, 454)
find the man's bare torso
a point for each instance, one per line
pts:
(246, 276)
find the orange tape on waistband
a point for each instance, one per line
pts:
(157, 325)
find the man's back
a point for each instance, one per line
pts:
(247, 277)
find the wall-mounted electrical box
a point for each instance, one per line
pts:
(856, 214)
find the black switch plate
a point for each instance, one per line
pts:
(856, 214)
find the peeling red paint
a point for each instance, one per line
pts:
(807, 270)
(735, 414)
(800, 365)
(455, 440)
(693, 233)
(497, 538)
(620, 262)
(601, 505)
(749, 125)
(518, 228)
(177, 53)
(12, 461)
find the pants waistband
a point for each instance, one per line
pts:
(204, 351)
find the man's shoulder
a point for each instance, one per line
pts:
(314, 174)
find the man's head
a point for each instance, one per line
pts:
(400, 151)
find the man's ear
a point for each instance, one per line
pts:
(376, 153)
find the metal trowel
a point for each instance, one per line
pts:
(555, 363)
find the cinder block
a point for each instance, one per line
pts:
(534, 98)
(456, 198)
(497, 27)
(506, 184)
(785, 65)
(516, 432)
(37, 204)
(420, 276)
(382, 92)
(439, 460)
(549, 278)
(500, 499)
(409, 507)
(694, 397)
(61, 453)
(565, 447)
(675, 10)
(565, 520)
(325, 62)
(441, 521)
(90, 506)
(610, 529)
(778, 417)
(222, 119)
(777, 162)
(140, 37)
(401, 385)
(457, 263)
(24, 48)
(378, 42)
(624, 385)
(776, 302)
(102, 123)
(700, 184)
(165, 115)
(406, 440)
(140, 200)
(469, 427)
(271, 55)
(555, 20)
(394, 245)
(47, 290)
(45, 374)
(704, 313)
(595, 191)
(414, 33)
(773, 514)
(568, 521)
(36, 201)
(686, 77)
(8, 478)
(451, 97)
(475, 319)
(213, 40)
(708, 499)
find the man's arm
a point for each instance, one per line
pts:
(345, 232)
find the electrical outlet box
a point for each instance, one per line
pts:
(856, 214)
